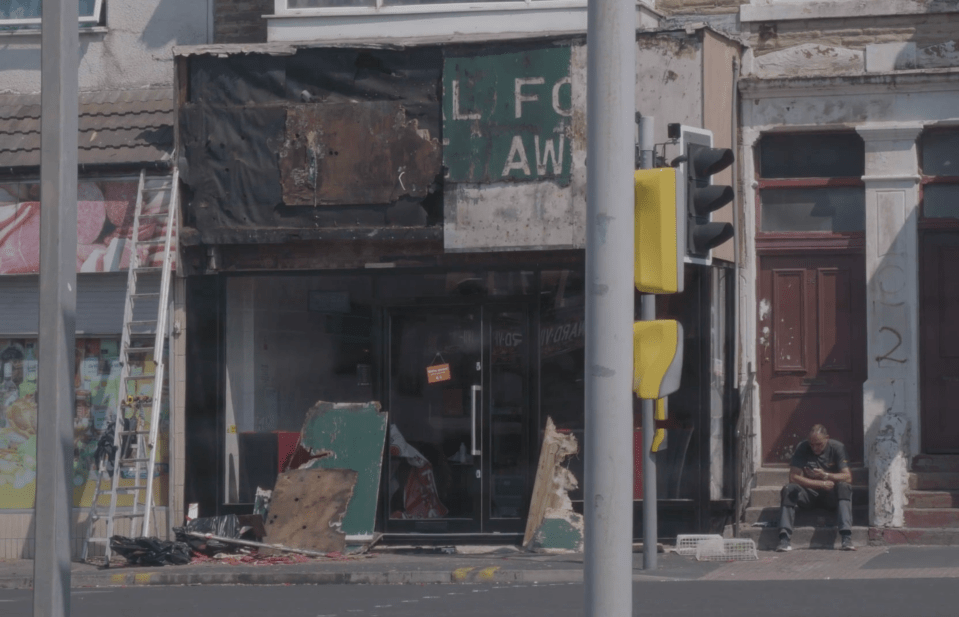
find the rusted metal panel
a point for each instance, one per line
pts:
(355, 153)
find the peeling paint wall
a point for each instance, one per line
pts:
(545, 214)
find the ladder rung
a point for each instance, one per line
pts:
(134, 432)
(147, 269)
(147, 295)
(129, 461)
(141, 322)
(154, 241)
(154, 214)
(129, 489)
(162, 187)
(128, 515)
(138, 350)
(98, 539)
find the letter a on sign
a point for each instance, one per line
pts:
(438, 372)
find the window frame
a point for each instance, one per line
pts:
(85, 20)
(793, 240)
(925, 222)
(281, 7)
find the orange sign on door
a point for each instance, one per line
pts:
(437, 373)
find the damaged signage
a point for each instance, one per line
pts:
(355, 153)
(507, 117)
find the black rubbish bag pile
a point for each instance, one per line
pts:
(227, 526)
(151, 551)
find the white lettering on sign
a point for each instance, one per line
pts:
(457, 114)
(526, 98)
(561, 334)
(507, 339)
(563, 112)
(517, 157)
(549, 152)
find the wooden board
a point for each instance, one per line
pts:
(307, 509)
(550, 487)
(351, 436)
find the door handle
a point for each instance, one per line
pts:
(475, 390)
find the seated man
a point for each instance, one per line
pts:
(819, 476)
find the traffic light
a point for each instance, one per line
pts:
(657, 358)
(660, 219)
(698, 161)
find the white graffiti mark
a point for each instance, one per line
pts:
(764, 309)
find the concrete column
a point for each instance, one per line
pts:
(891, 393)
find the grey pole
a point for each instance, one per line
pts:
(610, 109)
(648, 313)
(59, 108)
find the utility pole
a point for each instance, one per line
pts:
(59, 105)
(610, 108)
(648, 313)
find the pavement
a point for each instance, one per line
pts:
(510, 565)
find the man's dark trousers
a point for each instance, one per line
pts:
(839, 499)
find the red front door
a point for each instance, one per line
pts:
(939, 342)
(811, 350)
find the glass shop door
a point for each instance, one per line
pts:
(457, 452)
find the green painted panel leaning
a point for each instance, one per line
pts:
(354, 434)
(507, 117)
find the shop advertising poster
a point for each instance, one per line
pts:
(105, 212)
(97, 383)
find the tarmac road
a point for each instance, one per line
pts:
(801, 598)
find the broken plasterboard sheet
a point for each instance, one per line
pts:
(552, 525)
(307, 509)
(352, 435)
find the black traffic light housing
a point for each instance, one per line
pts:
(698, 161)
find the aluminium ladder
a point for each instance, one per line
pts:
(135, 438)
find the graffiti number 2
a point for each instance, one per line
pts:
(888, 354)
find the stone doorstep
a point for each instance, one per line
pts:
(912, 536)
(934, 481)
(768, 496)
(933, 499)
(779, 476)
(931, 517)
(767, 538)
(947, 463)
(817, 517)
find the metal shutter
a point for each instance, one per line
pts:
(100, 300)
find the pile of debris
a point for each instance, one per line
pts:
(322, 506)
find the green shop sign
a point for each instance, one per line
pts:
(506, 117)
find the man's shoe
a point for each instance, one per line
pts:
(847, 544)
(784, 545)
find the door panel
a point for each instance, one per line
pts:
(812, 350)
(434, 479)
(468, 431)
(835, 320)
(789, 340)
(939, 342)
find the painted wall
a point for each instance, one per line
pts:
(133, 50)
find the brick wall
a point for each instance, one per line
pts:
(240, 21)
(701, 7)
(855, 33)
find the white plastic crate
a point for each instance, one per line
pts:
(686, 543)
(735, 549)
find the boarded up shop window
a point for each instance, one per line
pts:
(97, 384)
(812, 183)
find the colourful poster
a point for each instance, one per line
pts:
(98, 390)
(105, 213)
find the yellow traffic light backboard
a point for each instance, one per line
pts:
(660, 221)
